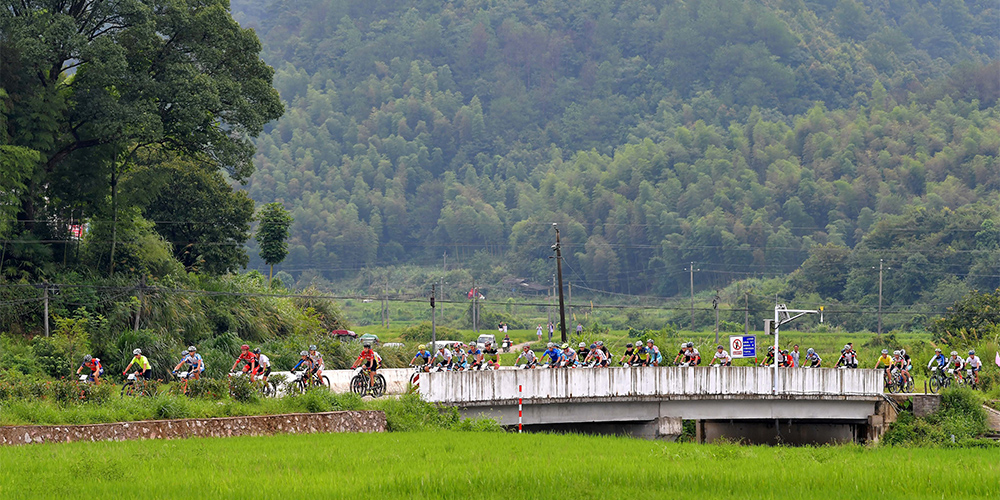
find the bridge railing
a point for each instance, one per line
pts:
(665, 382)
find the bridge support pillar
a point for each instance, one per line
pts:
(782, 431)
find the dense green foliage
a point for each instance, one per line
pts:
(459, 465)
(749, 138)
(959, 421)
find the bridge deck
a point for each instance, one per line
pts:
(649, 384)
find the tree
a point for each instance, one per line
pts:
(93, 83)
(272, 234)
(206, 222)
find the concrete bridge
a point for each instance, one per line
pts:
(802, 406)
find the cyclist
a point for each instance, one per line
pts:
(192, 357)
(607, 352)
(884, 359)
(693, 355)
(317, 359)
(263, 365)
(722, 357)
(785, 359)
(654, 358)
(553, 353)
(246, 358)
(476, 355)
(529, 357)
(973, 363)
(142, 367)
(813, 358)
(597, 356)
(955, 365)
(459, 357)
(630, 357)
(445, 354)
(682, 354)
(490, 355)
(94, 365)
(905, 365)
(422, 354)
(582, 351)
(939, 359)
(370, 359)
(568, 357)
(304, 361)
(769, 359)
(848, 358)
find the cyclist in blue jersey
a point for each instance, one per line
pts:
(305, 362)
(654, 358)
(475, 356)
(553, 354)
(94, 365)
(194, 359)
(422, 354)
(568, 357)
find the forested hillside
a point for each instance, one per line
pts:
(746, 137)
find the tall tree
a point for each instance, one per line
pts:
(272, 234)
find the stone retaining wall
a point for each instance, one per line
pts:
(264, 425)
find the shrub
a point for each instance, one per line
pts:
(240, 389)
(171, 407)
(207, 388)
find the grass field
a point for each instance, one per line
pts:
(466, 465)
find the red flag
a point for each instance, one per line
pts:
(471, 292)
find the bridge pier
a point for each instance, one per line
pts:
(665, 428)
(774, 432)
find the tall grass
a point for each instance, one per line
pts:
(453, 465)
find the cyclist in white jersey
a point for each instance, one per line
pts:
(722, 357)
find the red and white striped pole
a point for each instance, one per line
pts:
(519, 412)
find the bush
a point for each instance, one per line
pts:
(421, 333)
(208, 388)
(171, 407)
(960, 420)
(240, 389)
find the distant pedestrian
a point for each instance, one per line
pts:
(795, 357)
(552, 330)
(539, 332)
(579, 328)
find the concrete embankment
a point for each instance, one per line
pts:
(263, 425)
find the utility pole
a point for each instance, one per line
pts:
(562, 304)
(45, 298)
(433, 322)
(692, 270)
(475, 311)
(880, 295)
(569, 299)
(715, 305)
(746, 312)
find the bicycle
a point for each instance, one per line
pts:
(266, 389)
(362, 383)
(939, 380)
(302, 383)
(414, 385)
(184, 377)
(136, 386)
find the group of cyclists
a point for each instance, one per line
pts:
(463, 357)
(954, 365)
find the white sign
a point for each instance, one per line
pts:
(743, 346)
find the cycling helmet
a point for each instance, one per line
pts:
(593, 346)
(937, 349)
(312, 347)
(551, 344)
(525, 347)
(649, 341)
(895, 353)
(784, 351)
(886, 351)
(810, 351)
(257, 351)
(366, 345)
(421, 347)
(972, 352)
(582, 345)
(192, 349)
(184, 354)
(719, 347)
(600, 343)
(304, 353)
(137, 352)
(488, 343)
(954, 353)
(565, 346)
(244, 347)
(690, 344)
(88, 358)
(628, 346)
(847, 346)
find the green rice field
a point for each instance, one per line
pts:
(464, 465)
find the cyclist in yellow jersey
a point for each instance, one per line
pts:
(886, 360)
(142, 366)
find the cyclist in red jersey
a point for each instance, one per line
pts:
(248, 359)
(371, 360)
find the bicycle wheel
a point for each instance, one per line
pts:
(127, 389)
(269, 390)
(326, 382)
(935, 385)
(378, 388)
(414, 378)
(358, 385)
